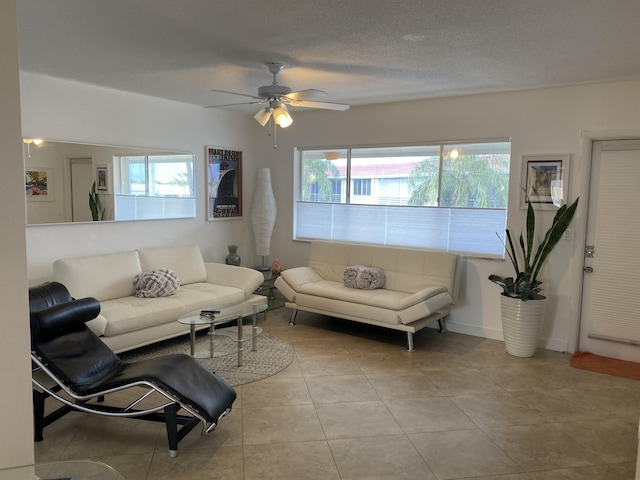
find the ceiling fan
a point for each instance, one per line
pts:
(277, 97)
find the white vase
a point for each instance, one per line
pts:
(521, 325)
(263, 212)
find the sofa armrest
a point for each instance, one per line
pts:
(296, 277)
(290, 281)
(422, 295)
(246, 279)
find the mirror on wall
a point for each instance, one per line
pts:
(68, 182)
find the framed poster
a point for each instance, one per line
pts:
(102, 178)
(545, 181)
(38, 182)
(224, 183)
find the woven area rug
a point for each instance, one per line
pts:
(272, 356)
(610, 366)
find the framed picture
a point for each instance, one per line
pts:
(545, 181)
(38, 184)
(102, 178)
(224, 183)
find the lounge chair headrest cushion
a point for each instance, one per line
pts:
(63, 318)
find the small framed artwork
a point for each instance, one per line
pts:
(38, 184)
(102, 178)
(545, 181)
(224, 183)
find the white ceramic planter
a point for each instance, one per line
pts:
(521, 325)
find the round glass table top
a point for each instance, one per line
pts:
(222, 314)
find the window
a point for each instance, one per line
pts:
(154, 186)
(441, 196)
(156, 175)
(362, 187)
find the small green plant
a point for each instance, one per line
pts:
(525, 285)
(97, 212)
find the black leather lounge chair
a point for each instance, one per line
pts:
(72, 365)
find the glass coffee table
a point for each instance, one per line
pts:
(220, 315)
(63, 470)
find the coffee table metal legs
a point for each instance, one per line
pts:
(212, 339)
(254, 318)
(254, 334)
(192, 337)
(212, 335)
(240, 342)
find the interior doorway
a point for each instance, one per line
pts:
(81, 181)
(610, 310)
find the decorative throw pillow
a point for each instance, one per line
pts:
(162, 282)
(368, 278)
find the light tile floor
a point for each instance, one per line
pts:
(355, 405)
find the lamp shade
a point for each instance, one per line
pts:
(282, 117)
(263, 212)
(262, 117)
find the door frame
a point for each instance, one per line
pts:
(68, 201)
(584, 180)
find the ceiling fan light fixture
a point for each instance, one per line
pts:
(262, 117)
(282, 116)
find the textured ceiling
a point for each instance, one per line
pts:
(359, 51)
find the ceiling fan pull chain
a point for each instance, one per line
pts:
(275, 133)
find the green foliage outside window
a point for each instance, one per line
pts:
(318, 172)
(467, 181)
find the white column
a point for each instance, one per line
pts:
(16, 417)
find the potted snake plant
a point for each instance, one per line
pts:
(521, 303)
(97, 212)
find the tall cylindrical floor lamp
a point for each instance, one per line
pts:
(263, 215)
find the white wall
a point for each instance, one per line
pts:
(15, 366)
(61, 110)
(538, 121)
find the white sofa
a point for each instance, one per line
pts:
(420, 285)
(127, 321)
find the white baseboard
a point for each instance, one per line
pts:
(495, 334)
(475, 331)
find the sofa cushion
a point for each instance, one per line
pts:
(162, 282)
(374, 314)
(185, 260)
(103, 277)
(367, 278)
(132, 313)
(128, 314)
(383, 298)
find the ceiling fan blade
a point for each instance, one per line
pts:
(325, 105)
(306, 94)
(236, 104)
(236, 93)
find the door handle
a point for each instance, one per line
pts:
(588, 270)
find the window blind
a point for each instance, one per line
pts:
(463, 230)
